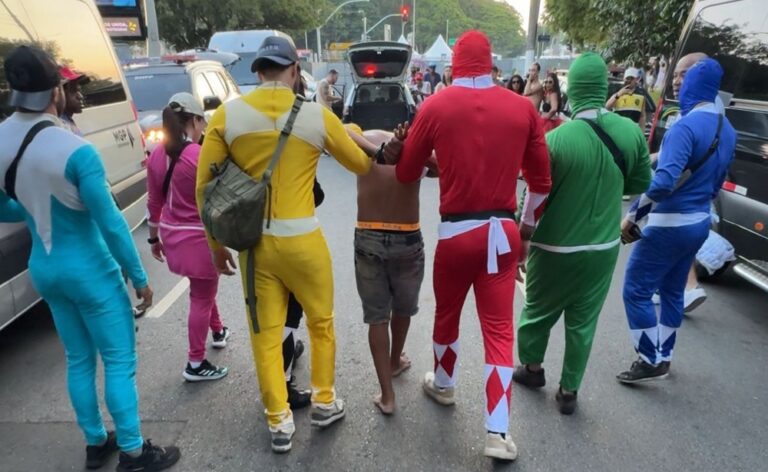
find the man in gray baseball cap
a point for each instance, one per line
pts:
(275, 50)
(55, 182)
(32, 76)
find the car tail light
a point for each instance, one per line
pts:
(370, 70)
(732, 187)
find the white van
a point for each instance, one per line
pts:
(245, 44)
(72, 30)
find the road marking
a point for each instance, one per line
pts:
(159, 310)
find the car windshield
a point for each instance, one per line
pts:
(241, 70)
(152, 91)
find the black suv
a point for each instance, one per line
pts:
(739, 46)
(379, 98)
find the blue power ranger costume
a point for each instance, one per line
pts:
(678, 213)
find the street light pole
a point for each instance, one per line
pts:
(379, 22)
(413, 19)
(317, 31)
(365, 29)
(533, 22)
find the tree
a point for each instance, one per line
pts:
(624, 29)
(187, 24)
(498, 20)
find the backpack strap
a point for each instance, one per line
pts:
(618, 157)
(286, 131)
(169, 172)
(10, 174)
(282, 140)
(712, 147)
(690, 169)
(250, 280)
(250, 266)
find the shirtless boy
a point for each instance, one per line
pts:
(389, 263)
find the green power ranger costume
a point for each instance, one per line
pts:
(576, 244)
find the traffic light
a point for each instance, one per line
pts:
(404, 13)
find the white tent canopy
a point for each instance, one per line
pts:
(402, 40)
(440, 51)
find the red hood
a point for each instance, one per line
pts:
(472, 55)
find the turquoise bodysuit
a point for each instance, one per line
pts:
(80, 242)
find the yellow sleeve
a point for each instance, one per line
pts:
(342, 148)
(214, 151)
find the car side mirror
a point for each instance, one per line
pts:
(211, 103)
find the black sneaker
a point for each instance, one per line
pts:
(220, 338)
(642, 371)
(152, 458)
(531, 379)
(206, 371)
(298, 399)
(298, 350)
(566, 402)
(96, 456)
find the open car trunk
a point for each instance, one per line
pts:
(380, 106)
(379, 60)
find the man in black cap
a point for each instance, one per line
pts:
(55, 182)
(292, 255)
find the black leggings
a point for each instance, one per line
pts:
(292, 321)
(295, 310)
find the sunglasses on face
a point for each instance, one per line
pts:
(516, 81)
(549, 82)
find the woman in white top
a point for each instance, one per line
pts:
(447, 79)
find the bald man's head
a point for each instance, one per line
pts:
(685, 63)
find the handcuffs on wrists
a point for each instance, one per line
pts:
(379, 156)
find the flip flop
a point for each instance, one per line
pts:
(405, 364)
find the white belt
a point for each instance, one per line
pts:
(286, 228)
(498, 244)
(673, 220)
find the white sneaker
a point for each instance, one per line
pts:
(325, 415)
(282, 435)
(500, 448)
(693, 299)
(443, 396)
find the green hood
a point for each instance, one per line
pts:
(587, 82)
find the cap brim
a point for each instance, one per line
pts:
(35, 101)
(257, 63)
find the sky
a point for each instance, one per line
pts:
(523, 6)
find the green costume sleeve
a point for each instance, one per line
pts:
(639, 172)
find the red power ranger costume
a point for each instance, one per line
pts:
(483, 136)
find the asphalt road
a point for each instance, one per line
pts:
(710, 415)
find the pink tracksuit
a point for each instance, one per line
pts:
(186, 249)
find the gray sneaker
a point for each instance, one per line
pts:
(325, 415)
(443, 396)
(281, 437)
(500, 448)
